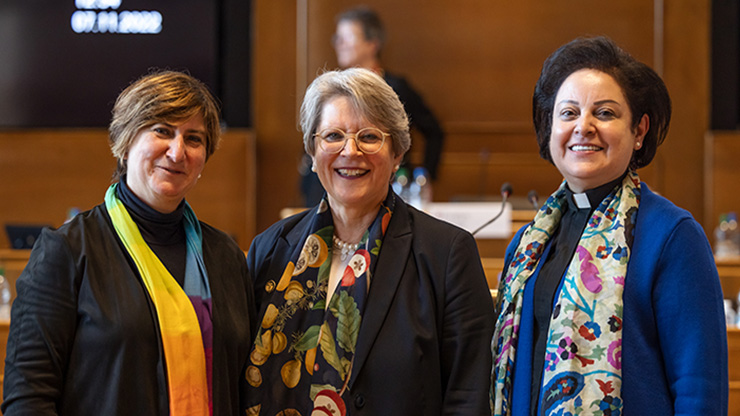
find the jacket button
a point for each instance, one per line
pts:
(359, 401)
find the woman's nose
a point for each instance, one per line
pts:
(585, 125)
(176, 150)
(350, 146)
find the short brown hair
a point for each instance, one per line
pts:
(161, 96)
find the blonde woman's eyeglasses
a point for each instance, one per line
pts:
(368, 140)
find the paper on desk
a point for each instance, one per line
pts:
(471, 215)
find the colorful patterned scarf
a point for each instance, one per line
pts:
(184, 316)
(303, 352)
(582, 373)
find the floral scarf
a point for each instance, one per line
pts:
(582, 369)
(183, 313)
(302, 357)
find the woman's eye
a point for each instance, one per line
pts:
(333, 136)
(161, 130)
(605, 113)
(195, 139)
(568, 113)
(369, 138)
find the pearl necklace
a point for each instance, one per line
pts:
(345, 249)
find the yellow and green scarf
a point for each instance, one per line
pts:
(184, 316)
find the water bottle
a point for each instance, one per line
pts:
(401, 184)
(421, 188)
(5, 296)
(730, 313)
(733, 234)
(722, 245)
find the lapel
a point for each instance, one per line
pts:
(394, 255)
(279, 250)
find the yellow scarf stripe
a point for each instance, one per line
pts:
(178, 324)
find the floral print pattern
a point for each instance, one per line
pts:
(301, 360)
(582, 371)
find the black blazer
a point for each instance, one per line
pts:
(424, 343)
(84, 337)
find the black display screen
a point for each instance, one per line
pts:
(64, 62)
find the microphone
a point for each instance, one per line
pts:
(533, 199)
(506, 191)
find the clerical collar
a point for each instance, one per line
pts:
(591, 198)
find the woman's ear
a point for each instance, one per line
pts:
(641, 130)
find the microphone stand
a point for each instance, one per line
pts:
(505, 192)
(534, 199)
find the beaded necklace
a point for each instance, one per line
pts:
(344, 248)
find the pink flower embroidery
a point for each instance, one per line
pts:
(614, 354)
(589, 272)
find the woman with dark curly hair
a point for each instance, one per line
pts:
(610, 298)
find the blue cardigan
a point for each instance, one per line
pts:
(674, 345)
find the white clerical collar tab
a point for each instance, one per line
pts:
(581, 201)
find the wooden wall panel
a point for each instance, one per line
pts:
(476, 63)
(475, 60)
(44, 173)
(275, 103)
(686, 61)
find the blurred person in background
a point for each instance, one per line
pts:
(358, 41)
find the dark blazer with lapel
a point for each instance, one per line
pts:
(84, 336)
(424, 343)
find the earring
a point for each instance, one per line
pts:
(639, 145)
(313, 167)
(199, 175)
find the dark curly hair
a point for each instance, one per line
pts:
(641, 85)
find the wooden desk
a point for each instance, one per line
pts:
(496, 247)
(13, 261)
(487, 247)
(729, 276)
(4, 329)
(733, 361)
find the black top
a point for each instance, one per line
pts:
(420, 118)
(164, 233)
(562, 247)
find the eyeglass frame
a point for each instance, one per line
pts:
(347, 136)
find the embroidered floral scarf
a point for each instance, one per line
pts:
(184, 316)
(302, 357)
(582, 369)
